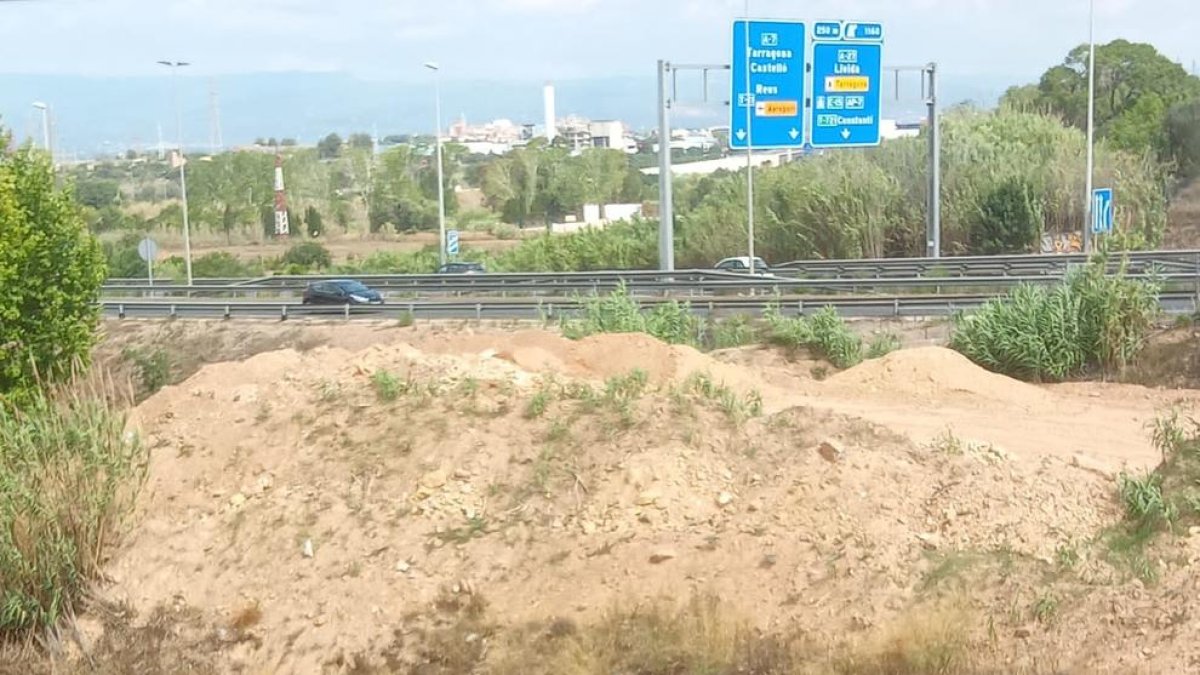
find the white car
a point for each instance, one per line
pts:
(742, 265)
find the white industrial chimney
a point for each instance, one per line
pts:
(551, 122)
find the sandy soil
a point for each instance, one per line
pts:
(284, 483)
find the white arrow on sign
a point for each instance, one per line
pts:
(794, 134)
(741, 134)
(846, 134)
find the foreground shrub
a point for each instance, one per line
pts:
(825, 334)
(51, 269)
(1091, 321)
(308, 255)
(68, 476)
(618, 312)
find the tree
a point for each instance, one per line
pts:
(287, 142)
(1183, 138)
(1135, 87)
(97, 193)
(313, 222)
(360, 141)
(329, 147)
(51, 270)
(1009, 220)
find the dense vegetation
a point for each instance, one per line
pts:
(51, 269)
(1091, 322)
(68, 471)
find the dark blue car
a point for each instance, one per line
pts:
(341, 292)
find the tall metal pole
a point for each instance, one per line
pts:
(1091, 127)
(666, 206)
(749, 147)
(437, 103)
(934, 249)
(45, 109)
(187, 231)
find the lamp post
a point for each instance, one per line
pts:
(187, 232)
(437, 98)
(1091, 126)
(45, 127)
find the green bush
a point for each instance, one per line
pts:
(618, 312)
(222, 264)
(51, 270)
(1090, 321)
(1010, 219)
(308, 255)
(68, 477)
(825, 334)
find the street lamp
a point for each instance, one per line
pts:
(437, 96)
(45, 127)
(187, 232)
(1091, 126)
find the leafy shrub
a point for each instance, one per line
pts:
(882, 344)
(1010, 219)
(1092, 320)
(51, 270)
(309, 255)
(222, 264)
(68, 477)
(618, 312)
(736, 331)
(825, 334)
(153, 366)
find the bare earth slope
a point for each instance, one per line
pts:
(341, 496)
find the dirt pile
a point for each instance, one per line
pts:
(344, 498)
(937, 373)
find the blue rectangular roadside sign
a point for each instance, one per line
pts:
(1102, 211)
(452, 242)
(768, 82)
(847, 70)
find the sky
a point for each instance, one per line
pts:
(546, 39)
(302, 68)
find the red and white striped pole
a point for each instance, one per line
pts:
(281, 214)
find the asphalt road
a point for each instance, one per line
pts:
(926, 306)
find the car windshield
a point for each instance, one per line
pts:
(352, 287)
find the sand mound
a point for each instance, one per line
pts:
(936, 373)
(287, 483)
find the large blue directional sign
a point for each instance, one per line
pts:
(846, 84)
(768, 82)
(1102, 211)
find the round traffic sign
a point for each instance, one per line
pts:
(148, 249)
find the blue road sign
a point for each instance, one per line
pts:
(1102, 211)
(847, 99)
(768, 82)
(452, 242)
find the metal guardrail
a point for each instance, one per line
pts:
(1007, 266)
(531, 308)
(656, 285)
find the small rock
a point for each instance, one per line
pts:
(238, 500)
(588, 527)
(461, 474)
(649, 497)
(320, 620)
(931, 541)
(1194, 531)
(434, 479)
(724, 499)
(307, 549)
(265, 482)
(726, 474)
(662, 556)
(403, 566)
(831, 452)
(768, 561)
(1023, 632)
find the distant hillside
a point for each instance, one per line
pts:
(96, 115)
